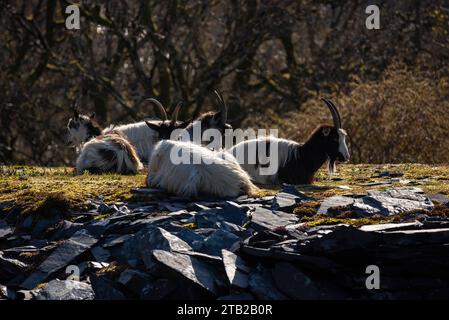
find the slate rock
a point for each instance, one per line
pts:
(343, 239)
(100, 254)
(206, 218)
(261, 284)
(158, 289)
(105, 289)
(391, 226)
(66, 290)
(6, 204)
(285, 202)
(134, 280)
(41, 227)
(188, 235)
(65, 230)
(11, 266)
(417, 237)
(334, 202)
(191, 268)
(236, 269)
(5, 230)
(116, 240)
(79, 243)
(104, 208)
(288, 198)
(262, 219)
(397, 200)
(148, 239)
(219, 240)
(3, 292)
(299, 286)
(438, 197)
(233, 213)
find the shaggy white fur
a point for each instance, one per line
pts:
(217, 174)
(110, 152)
(140, 135)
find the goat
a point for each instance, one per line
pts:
(216, 174)
(82, 128)
(144, 134)
(297, 163)
(110, 152)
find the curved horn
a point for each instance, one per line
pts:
(76, 113)
(160, 107)
(223, 107)
(174, 116)
(334, 111)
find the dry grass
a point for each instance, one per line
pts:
(48, 191)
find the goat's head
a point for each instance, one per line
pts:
(332, 138)
(81, 128)
(214, 119)
(165, 127)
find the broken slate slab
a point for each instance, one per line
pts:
(261, 284)
(392, 226)
(299, 286)
(11, 266)
(158, 289)
(262, 219)
(5, 230)
(66, 290)
(397, 200)
(288, 198)
(148, 239)
(191, 268)
(80, 242)
(218, 240)
(236, 269)
(105, 289)
(334, 202)
(135, 280)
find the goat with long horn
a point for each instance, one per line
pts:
(297, 163)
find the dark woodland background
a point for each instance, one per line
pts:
(271, 59)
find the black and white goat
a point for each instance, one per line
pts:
(296, 163)
(142, 135)
(190, 170)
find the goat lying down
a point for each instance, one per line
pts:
(110, 152)
(141, 136)
(297, 163)
(217, 174)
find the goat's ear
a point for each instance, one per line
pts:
(326, 131)
(92, 115)
(155, 127)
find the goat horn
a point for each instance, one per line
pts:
(334, 111)
(223, 106)
(160, 107)
(174, 116)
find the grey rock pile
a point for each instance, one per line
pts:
(240, 249)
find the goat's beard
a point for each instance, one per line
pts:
(331, 166)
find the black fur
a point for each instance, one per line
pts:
(305, 160)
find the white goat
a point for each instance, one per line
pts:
(216, 174)
(110, 152)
